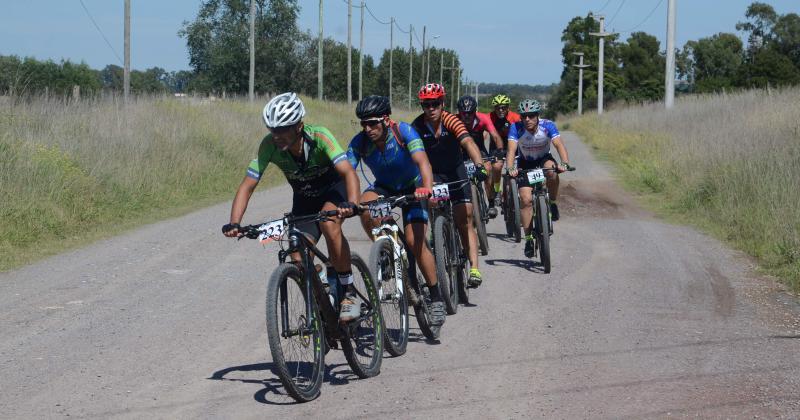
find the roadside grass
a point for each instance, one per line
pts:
(74, 172)
(729, 164)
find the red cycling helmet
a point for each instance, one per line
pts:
(431, 91)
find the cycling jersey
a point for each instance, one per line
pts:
(504, 125)
(480, 124)
(444, 151)
(309, 176)
(533, 146)
(393, 167)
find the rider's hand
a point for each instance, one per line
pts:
(231, 230)
(500, 153)
(513, 171)
(422, 193)
(564, 167)
(346, 209)
(480, 173)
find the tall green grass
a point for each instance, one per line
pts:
(72, 172)
(727, 163)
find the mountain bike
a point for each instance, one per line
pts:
(451, 259)
(541, 222)
(510, 207)
(302, 310)
(396, 277)
(480, 207)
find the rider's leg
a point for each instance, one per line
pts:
(415, 233)
(497, 168)
(552, 180)
(367, 222)
(338, 248)
(526, 208)
(469, 240)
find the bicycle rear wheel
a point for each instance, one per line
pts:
(462, 272)
(362, 338)
(478, 220)
(422, 307)
(391, 293)
(543, 230)
(516, 218)
(294, 335)
(445, 270)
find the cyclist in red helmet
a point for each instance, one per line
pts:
(444, 136)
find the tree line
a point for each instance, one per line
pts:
(634, 69)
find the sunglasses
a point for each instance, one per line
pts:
(529, 116)
(430, 104)
(371, 122)
(281, 130)
(502, 107)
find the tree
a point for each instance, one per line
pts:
(762, 18)
(786, 36)
(642, 68)
(716, 61)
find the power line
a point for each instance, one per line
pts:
(645, 19)
(617, 12)
(101, 31)
(604, 7)
(417, 37)
(373, 16)
(399, 28)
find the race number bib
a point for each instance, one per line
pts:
(536, 176)
(470, 165)
(441, 192)
(380, 210)
(271, 231)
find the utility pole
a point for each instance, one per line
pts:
(391, 53)
(422, 69)
(452, 80)
(349, 52)
(410, 60)
(319, 55)
(600, 66)
(126, 73)
(251, 86)
(580, 66)
(669, 85)
(361, 53)
(458, 82)
(441, 68)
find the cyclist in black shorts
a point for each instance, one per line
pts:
(321, 178)
(444, 135)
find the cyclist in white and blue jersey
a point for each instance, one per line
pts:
(532, 136)
(396, 156)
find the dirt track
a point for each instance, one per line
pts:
(638, 319)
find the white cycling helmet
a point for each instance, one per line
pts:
(283, 110)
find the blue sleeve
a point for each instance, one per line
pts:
(513, 134)
(552, 131)
(411, 138)
(353, 150)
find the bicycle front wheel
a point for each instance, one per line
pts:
(445, 269)
(516, 218)
(391, 290)
(362, 338)
(478, 203)
(294, 334)
(543, 230)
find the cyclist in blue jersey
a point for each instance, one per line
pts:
(533, 137)
(396, 156)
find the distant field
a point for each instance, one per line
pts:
(73, 172)
(727, 163)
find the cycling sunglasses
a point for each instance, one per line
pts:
(372, 122)
(430, 104)
(502, 107)
(530, 115)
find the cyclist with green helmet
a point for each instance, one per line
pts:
(532, 137)
(502, 119)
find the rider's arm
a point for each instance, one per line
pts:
(417, 150)
(425, 171)
(511, 153)
(555, 136)
(346, 171)
(241, 199)
(488, 126)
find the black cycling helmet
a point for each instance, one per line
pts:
(373, 106)
(467, 104)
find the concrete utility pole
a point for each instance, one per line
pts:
(441, 67)
(126, 73)
(349, 52)
(452, 81)
(580, 66)
(361, 53)
(428, 74)
(458, 82)
(669, 85)
(391, 53)
(319, 55)
(410, 60)
(600, 65)
(422, 69)
(251, 86)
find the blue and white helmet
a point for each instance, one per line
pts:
(283, 110)
(529, 106)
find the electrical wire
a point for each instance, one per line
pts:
(101, 32)
(376, 19)
(649, 15)
(616, 13)
(603, 8)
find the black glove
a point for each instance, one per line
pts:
(499, 153)
(480, 173)
(348, 205)
(229, 227)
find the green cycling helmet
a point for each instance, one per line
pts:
(529, 106)
(501, 100)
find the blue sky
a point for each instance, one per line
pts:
(512, 41)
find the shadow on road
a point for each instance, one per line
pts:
(501, 237)
(530, 265)
(273, 392)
